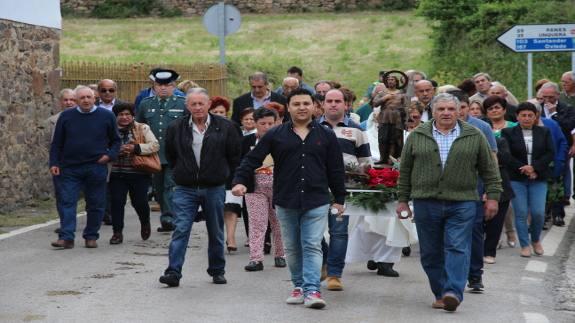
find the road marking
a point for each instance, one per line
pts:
(33, 227)
(555, 235)
(535, 318)
(536, 266)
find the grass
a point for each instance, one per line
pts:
(35, 212)
(347, 47)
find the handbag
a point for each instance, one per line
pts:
(147, 163)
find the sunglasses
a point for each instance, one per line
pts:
(107, 90)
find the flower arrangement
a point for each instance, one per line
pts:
(382, 184)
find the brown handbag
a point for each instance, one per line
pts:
(147, 163)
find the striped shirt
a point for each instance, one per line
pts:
(444, 141)
(353, 142)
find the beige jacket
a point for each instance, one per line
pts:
(150, 144)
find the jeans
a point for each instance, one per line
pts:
(163, 184)
(477, 242)
(530, 198)
(186, 201)
(137, 186)
(302, 231)
(445, 230)
(92, 179)
(334, 253)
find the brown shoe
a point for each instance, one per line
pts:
(91, 244)
(63, 244)
(451, 302)
(334, 283)
(145, 231)
(438, 304)
(154, 207)
(526, 252)
(117, 238)
(538, 248)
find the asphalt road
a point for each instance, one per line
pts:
(120, 284)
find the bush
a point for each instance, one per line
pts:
(465, 39)
(132, 8)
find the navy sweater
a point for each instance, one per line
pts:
(82, 138)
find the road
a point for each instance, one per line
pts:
(120, 284)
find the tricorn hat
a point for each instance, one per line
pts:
(163, 76)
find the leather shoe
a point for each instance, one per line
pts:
(63, 244)
(170, 279)
(91, 244)
(280, 262)
(253, 266)
(334, 283)
(117, 238)
(371, 265)
(451, 302)
(438, 304)
(219, 279)
(537, 248)
(558, 221)
(386, 269)
(145, 231)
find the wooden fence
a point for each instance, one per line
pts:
(132, 78)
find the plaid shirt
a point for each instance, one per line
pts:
(445, 141)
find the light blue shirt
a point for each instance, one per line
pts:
(82, 111)
(485, 128)
(444, 141)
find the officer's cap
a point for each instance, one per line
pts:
(163, 76)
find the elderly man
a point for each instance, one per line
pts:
(500, 91)
(424, 91)
(203, 149)
(257, 97)
(439, 166)
(308, 163)
(67, 100)
(297, 73)
(568, 86)
(85, 140)
(288, 85)
(107, 90)
(159, 112)
(322, 87)
(482, 84)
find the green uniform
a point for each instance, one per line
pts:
(158, 114)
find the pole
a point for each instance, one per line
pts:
(222, 31)
(573, 62)
(529, 75)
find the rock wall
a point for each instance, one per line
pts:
(29, 86)
(198, 7)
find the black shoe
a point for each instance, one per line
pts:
(267, 248)
(406, 251)
(476, 285)
(386, 269)
(170, 279)
(558, 221)
(280, 262)
(107, 219)
(546, 226)
(371, 265)
(254, 266)
(219, 279)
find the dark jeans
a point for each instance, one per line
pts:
(186, 201)
(334, 253)
(72, 179)
(122, 184)
(478, 239)
(493, 229)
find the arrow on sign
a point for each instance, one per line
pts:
(539, 38)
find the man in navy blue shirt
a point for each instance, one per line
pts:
(308, 163)
(85, 140)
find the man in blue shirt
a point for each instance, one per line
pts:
(85, 140)
(308, 162)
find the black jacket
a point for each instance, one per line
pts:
(245, 101)
(565, 116)
(542, 152)
(219, 157)
(248, 143)
(503, 158)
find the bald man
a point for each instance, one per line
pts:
(424, 91)
(107, 91)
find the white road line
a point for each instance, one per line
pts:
(32, 228)
(536, 266)
(535, 318)
(555, 235)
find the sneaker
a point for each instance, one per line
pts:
(296, 296)
(254, 266)
(476, 285)
(334, 283)
(314, 300)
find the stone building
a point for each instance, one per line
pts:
(29, 85)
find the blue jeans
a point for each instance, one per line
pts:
(334, 253)
(163, 185)
(530, 198)
(445, 230)
(302, 231)
(92, 179)
(186, 201)
(477, 243)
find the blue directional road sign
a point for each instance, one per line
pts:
(539, 38)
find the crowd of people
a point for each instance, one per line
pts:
(474, 163)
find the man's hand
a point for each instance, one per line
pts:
(239, 190)
(55, 171)
(104, 159)
(339, 208)
(490, 207)
(403, 207)
(572, 151)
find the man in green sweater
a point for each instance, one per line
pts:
(440, 165)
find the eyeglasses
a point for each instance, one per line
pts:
(107, 90)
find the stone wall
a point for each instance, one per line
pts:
(29, 87)
(198, 7)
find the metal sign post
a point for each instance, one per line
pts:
(221, 20)
(539, 38)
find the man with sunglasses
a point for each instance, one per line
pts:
(107, 90)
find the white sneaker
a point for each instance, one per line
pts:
(296, 296)
(314, 300)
